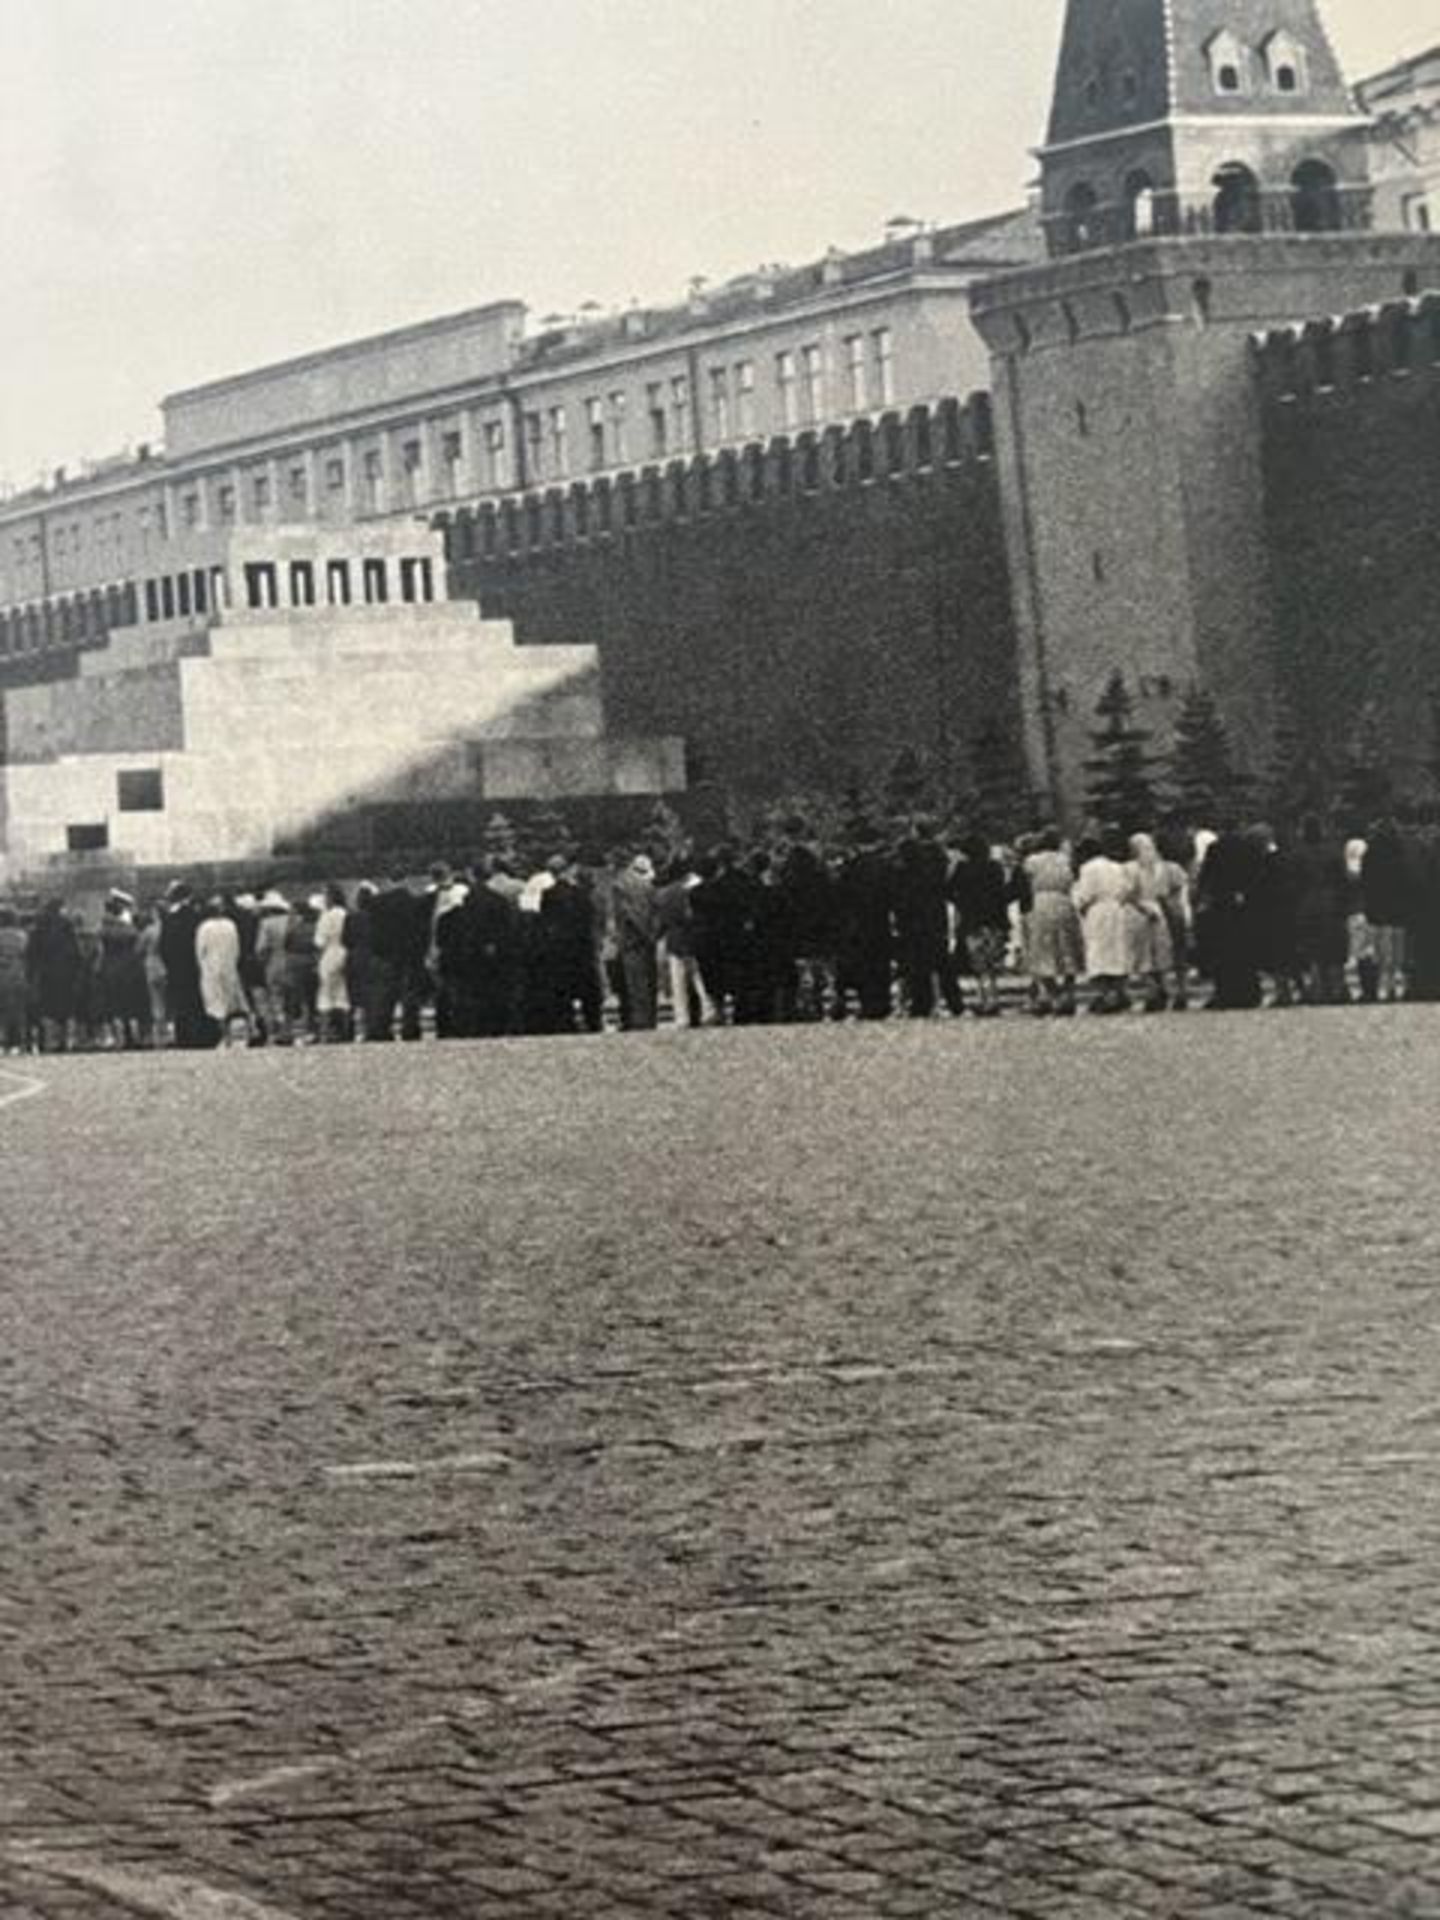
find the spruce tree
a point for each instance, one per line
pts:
(1000, 798)
(501, 840)
(908, 788)
(1366, 788)
(1204, 786)
(548, 834)
(1295, 779)
(1119, 787)
(857, 823)
(665, 836)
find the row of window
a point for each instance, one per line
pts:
(304, 479)
(263, 578)
(75, 620)
(67, 540)
(802, 394)
(181, 596)
(86, 618)
(479, 457)
(1277, 64)
(802, 390)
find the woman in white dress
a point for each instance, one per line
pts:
(222, 992)
(332, 998)
(1105, 894)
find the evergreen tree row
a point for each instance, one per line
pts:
(1198, 782)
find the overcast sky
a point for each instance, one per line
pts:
(187, 190)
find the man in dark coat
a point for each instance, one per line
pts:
(636, 934)
(1321, 900)
(1425, 925)
(1277, 919)
(922, 922)
(728, 909)
(478, 944)
(809, 892)
(777, 972)
(1387, 885)
(1231, 912)
(399, 935)
(179, 925)
(865, 897)
(570, 948)
(55, 965)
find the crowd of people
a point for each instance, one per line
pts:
(785, 931)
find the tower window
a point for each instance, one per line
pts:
(1285, 63)
(1229, 62)
(658, 418)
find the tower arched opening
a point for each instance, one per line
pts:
(1082, 217)
(1314, 198)
(1237, 206)
(1139, 206)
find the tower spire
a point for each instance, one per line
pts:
(1199, 116)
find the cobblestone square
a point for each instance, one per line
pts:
(949, 1470)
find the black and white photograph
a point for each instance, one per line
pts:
(720, 960)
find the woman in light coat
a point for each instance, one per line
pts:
(222, 993)
(1105, 895)
(1159, 909)
(332, 999)
(1054, 946)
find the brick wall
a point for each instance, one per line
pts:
(800, 612)
(1351, 433)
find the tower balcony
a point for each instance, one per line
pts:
(1238, 204)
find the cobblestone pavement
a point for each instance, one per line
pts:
(947, 1472)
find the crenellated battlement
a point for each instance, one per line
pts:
(1396, 340)
(1225, 281)
(950, 435)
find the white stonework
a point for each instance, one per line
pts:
(260, 721)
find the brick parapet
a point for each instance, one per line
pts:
(1341, 355)
(950, 435)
